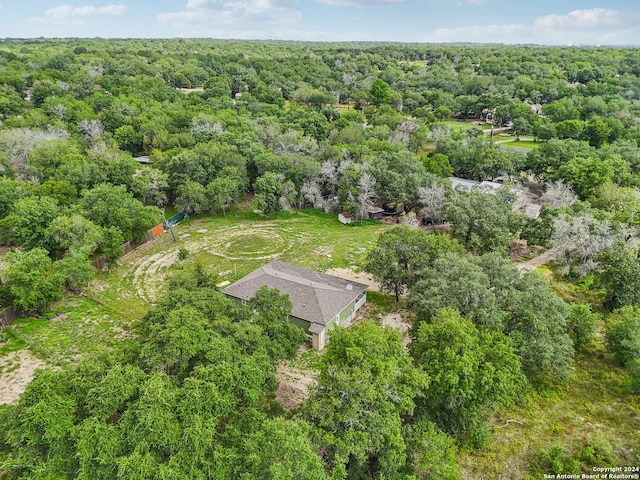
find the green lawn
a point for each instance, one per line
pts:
(457, 125)
(528, 144)
(74, 326)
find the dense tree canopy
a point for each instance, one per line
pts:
(191, 397)
(482, 222)
(472, 371)
(366, 386)
(96, 136)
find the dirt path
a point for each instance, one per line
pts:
(538, 261)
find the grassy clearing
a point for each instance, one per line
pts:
(528, 144)
(230, 246)
(461, 125)
(594, 405)
(233, 246)
(74, 326)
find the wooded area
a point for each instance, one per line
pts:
(262, 145)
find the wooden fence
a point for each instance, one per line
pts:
(7, 316)
(101, 262)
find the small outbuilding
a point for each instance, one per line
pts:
(345, 218)
(320, 301)
(375, 213)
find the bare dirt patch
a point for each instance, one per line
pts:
(350, 274)
(18, 369)
(397, 321)
(293, 383)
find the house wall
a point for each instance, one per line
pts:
(350, 310)
(319, 340)
(303, 324)
(347, 312)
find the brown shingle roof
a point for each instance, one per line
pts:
(316, 297)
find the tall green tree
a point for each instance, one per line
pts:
(472, 371)
(481, 222)
(271, 311)
(273, 193)
(31, 281)
(366, 386)
(113, 206)
(401, 256)
(581, 324)
(621, 277)
(380, 92)
(540, 334)
(623, 340)
(221, 191)
(75, 268)
(586, 174)
(30, 217)
(456, 282)
(192, 197)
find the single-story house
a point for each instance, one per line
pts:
(320, 301)
(462, 184)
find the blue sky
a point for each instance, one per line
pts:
(551, 22)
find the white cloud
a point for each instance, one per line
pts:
(360, 3)
(64, 12)
(592, 18)
(240, 19)
(586, 27)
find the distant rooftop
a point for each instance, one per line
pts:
(465, 185)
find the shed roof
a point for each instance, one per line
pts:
(316, 296)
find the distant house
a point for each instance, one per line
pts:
(320, 301)
(373, 213)
(462, 184)
(493, 188)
